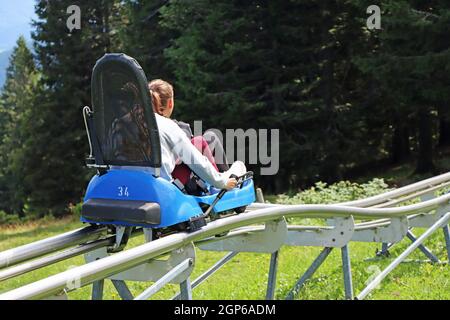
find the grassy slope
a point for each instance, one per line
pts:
(245, 276)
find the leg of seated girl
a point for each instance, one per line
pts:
(216, 147)
(182, 171)
(202, 145)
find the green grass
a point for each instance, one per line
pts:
(245, 276)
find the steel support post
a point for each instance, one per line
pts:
(97, 290)
(347, 271)
(272, 280)
(186, 290)
(122, 289)
(308, 273)
(422, 248)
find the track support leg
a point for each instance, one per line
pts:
(384, 250)
(422, 248)
(347, 271)
(186, 290)
(447, 240)
(309, 273)
(205, 275)
(97, 290)
(271, 283)
(377, 280)
(259, 195)
(122, 289)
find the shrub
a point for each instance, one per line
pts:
(75, 209)
(8, 218)
(342, 191)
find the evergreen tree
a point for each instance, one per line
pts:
(273, 65)
(142, 36)
(411, 66)
(16, 104)
(344, 98)
(57, 176)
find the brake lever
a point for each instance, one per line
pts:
(240, 180)
(245, 177)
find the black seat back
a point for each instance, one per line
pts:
(125, 127)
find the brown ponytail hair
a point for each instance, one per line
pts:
(161, 92)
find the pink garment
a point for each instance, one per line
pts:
(182, 172)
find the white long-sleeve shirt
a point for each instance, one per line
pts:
(176, 147)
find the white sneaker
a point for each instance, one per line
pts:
(237, 168)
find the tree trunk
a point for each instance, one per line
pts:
(280, 184)
(425, 142)
(444, 132)
(400, 141)
(333, 153)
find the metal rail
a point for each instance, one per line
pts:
(48, 245)
(60, 256)
(47, 260)
(431, 183)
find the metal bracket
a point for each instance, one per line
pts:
(267, 239)
(428, 196)
(155, 268)
(148, 234)
(425, 220)
(331, 237)
(122, 236)
(392, 231)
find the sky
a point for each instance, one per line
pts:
(15, 20)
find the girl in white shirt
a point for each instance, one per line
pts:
(177, 148)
